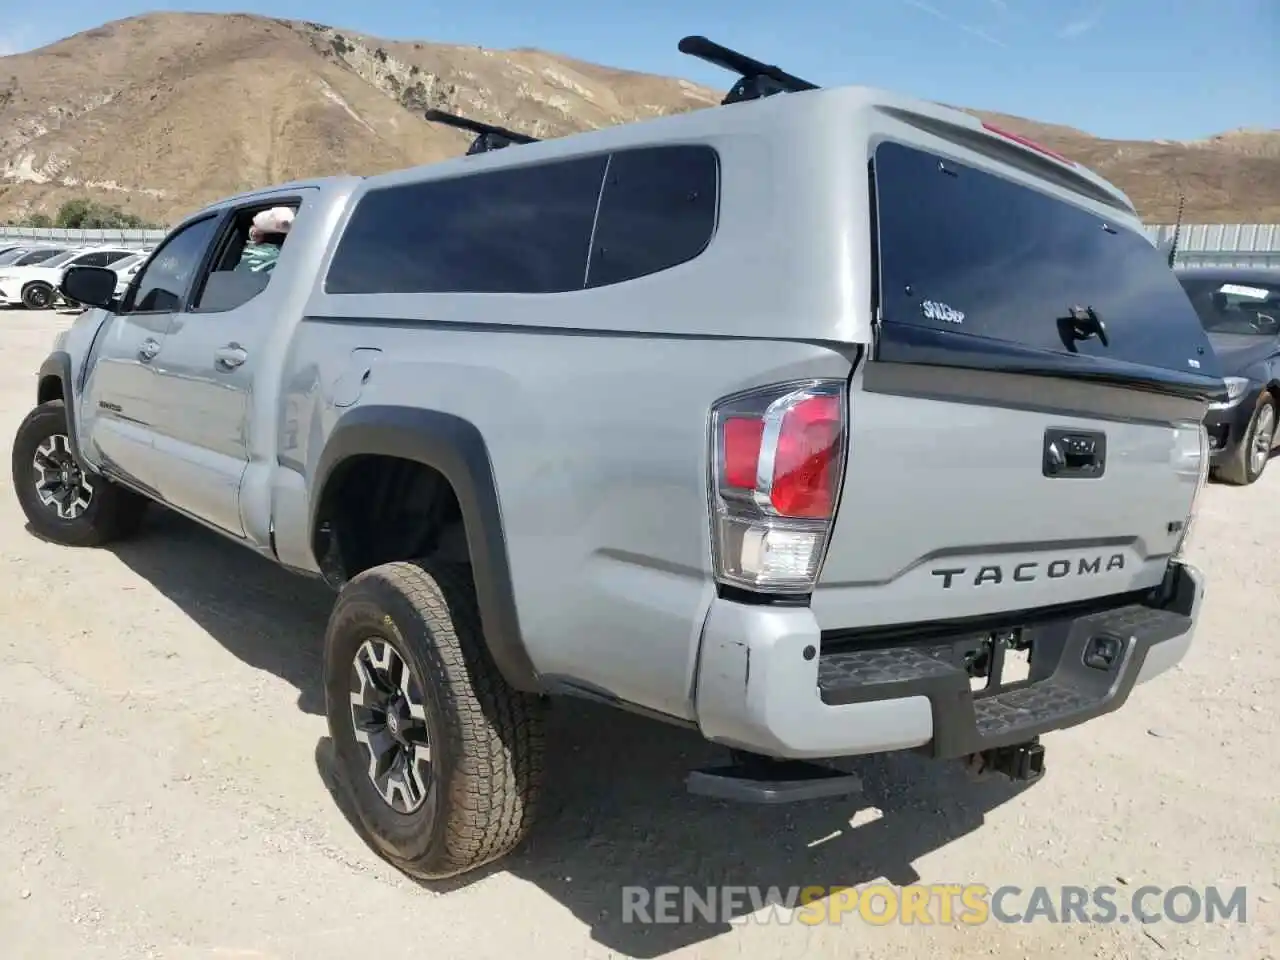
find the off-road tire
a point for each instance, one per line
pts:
(1239, 470)
(486, 739)
(113, 512)
(37, 296)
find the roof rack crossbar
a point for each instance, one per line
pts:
(757, 79)
(488, 136)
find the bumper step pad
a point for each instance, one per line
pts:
(1080, 668)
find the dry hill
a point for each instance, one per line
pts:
(160, 113)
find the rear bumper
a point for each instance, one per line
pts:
(766, 684)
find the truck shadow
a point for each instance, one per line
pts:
(617, 827)
(269, 618)
(616, 814)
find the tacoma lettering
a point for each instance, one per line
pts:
(1031, 570)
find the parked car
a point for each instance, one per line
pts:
(31, 253)
(911, 476)
(1239, 308)
(34, 285)
(126, 269)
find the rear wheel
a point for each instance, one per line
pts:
(37, 296)
(443, 759)
(63, 502)
(1254, 450)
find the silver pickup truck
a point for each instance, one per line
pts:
(824, 422)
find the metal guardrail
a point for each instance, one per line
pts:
(1199, 244)
(1223, 244)
(131, 239)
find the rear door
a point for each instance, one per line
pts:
(1026, 431)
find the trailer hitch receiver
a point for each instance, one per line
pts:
(1023, 762)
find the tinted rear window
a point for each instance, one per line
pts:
(532, 229)
(517, 230)
(969, 252)
(37, 257)
(658, 210)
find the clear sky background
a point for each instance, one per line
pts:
(1144, 69)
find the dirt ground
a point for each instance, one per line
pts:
(164, 788)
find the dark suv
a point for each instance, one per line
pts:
(1239, 308)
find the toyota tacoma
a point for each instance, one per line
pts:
(823, 422)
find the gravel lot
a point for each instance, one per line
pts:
(164, 788)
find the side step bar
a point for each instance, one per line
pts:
(755, 779)
(763, 780)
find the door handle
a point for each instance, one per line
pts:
(230, 356)
(148, 349)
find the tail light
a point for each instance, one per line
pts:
(1193, 456)
(777, 461)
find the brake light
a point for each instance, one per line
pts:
(778, 460)
(1026, 142)
(1192, 460)
(804, 464)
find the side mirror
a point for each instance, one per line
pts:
(93, 286)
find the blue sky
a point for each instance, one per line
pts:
(1176, 69)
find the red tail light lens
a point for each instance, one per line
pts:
(779, 456)
(804, 452)
(742, 437)
(805, 461)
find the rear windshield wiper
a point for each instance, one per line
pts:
(757, 79)
(488, 136)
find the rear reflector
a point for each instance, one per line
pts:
(742, 438)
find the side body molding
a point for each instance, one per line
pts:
(454, 447)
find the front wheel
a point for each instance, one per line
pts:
(63, 502)
(37, 296)
(443, 758)
(1254, 450)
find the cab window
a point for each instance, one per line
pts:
(246, 255)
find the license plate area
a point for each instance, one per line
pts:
(995, 662)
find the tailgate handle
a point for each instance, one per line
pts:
(1082, 323)
(1074, 453)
